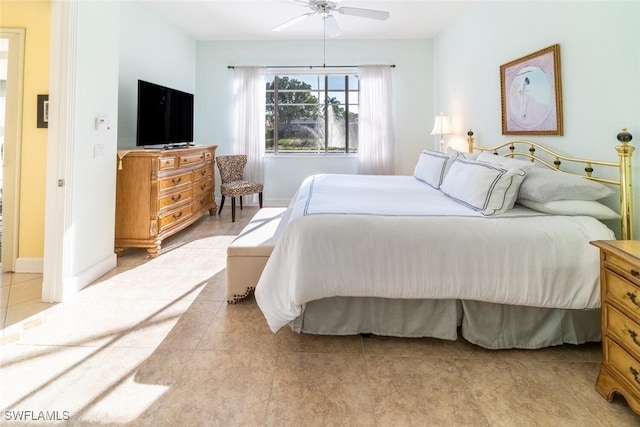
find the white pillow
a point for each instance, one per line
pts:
(572, 208)
(505, 161)
(547, 185)
(464, 155)
(483, 186)
(432, 167)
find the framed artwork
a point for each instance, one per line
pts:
(43, 111)
(531, 93)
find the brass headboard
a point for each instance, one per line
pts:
(553, 160)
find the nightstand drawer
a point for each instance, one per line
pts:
(622, 292)
(622, 363)
(625, 331)
(623, 267)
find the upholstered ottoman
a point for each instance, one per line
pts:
(249, 251)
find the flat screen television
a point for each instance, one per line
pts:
(165, 116)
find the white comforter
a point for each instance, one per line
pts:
(396, 237)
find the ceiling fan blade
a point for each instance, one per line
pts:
(331, 26)
(364, 13)
(291, 22)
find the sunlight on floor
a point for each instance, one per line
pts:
(101, 344)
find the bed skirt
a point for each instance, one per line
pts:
(492, 326)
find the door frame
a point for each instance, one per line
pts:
(12, 145)
(58, 225)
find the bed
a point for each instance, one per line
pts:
(488, 247)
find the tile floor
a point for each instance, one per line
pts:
(153, 343)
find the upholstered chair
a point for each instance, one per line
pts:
(233, 183)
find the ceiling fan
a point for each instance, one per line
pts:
(324, 9)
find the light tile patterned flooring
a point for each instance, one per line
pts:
(153, 343)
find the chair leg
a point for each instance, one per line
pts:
(260, 199)
(221, 205)
(233, 209)
(240, 202)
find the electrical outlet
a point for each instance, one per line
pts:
(98, 150)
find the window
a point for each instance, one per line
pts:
(311, 114)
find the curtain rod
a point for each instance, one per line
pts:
(310, 67)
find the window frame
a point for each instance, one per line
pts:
(277, 75)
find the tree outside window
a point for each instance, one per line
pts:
(312, 114)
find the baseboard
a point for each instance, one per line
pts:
(29, 265)
(83, 279)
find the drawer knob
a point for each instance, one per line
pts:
(635, 273)
(632, 297)
(635, 373)
(632, 334)
(178, 215)
(176, 198)
(176, 181)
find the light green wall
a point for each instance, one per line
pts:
(600, 64)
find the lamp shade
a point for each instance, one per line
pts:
(441, 125)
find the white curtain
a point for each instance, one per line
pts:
(375, 121)
(248, 122)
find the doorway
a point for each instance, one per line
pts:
(4, 55)
(11, 81)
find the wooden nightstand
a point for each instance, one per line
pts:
(620, 290)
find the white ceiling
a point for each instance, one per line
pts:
(254, 19)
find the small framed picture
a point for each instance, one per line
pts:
(43, 111)
(532, 94)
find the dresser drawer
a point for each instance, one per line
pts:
(622, 363)
(623, 267)
(203, 172)
(175, 217)
(191, 158)
(202, 201)
(167, 163)
(174, 181)
(625, 331)
(205, 186)
(622, 292)
(168, 202)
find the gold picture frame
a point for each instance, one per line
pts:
(531, 92)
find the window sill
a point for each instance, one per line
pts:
(310, 155)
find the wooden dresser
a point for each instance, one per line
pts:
(620, 288)
(161, 192)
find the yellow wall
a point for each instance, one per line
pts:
(35, 17)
